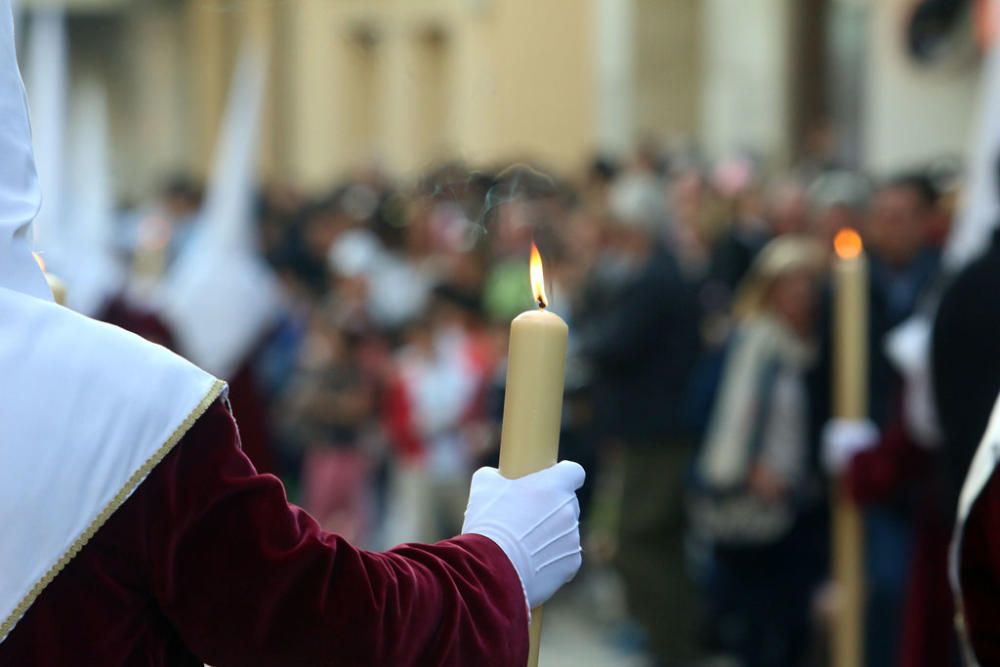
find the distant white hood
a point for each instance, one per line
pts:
(219, 296)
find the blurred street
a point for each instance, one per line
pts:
(572, 638)
(763, 239)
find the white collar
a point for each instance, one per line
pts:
(980, 471)
(88, 411)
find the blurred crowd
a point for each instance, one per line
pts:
(698, 386)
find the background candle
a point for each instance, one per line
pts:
(56, 285)
(850, 401)
(532, 409)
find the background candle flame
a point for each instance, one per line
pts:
(39, 261)
(847, 244)
(537, 277)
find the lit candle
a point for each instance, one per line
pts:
(532, 409)
(850, 401)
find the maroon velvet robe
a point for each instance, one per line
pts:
(207, 562)
(901, 467)
(979, 573)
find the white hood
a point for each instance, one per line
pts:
(219, 297)
(92, 272)
(980, 208)
(88, 410)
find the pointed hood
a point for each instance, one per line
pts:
(229, 202)
(980, 208)
(47, 65)
(219, 297)
(20, 195)
(93, 271)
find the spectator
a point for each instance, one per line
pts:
(328, 411)
(642, 347)
(754, 479)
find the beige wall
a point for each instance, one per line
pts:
(668, 68)
(912, 114)
(155, 97)
(746, 76)
(407, 84)
(542, 97)
(395, 82)
(350, 81)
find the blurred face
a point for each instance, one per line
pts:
(899, 225)
(420, 336)
(789, 211)
(792, 299)
(180, 206)
(687, 192)
(324, 344)
(335, 342)
(320, 233)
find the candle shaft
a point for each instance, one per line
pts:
(850, 401)
(851, 338)
(532, 412)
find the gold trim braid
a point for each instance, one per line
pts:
(109, 509)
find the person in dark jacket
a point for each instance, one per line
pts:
(904, 270)
(642, 346)
(965, 368)
(965, 359)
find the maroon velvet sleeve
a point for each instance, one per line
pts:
(875, 475)
(980, 574)
(247, 579)
(250, 410)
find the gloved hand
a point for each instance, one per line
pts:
(843, 438)
(535, 520)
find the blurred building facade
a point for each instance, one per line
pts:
(402, 84)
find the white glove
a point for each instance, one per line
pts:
(908, 346)
(535, 520)
(843, 438)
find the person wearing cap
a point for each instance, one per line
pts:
(753, 485)
(135, 530)
(642, 344)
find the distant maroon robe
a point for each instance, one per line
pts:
(246, 399)
(208, 563)
(899, 466)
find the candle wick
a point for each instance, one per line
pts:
(541, 304)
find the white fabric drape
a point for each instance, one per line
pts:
(86, 409)
(20, 196)
(94, 272)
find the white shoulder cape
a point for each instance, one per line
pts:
(980, 471)
(87, 410)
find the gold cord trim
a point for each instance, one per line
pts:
(109, 509)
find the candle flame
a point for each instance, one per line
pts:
(847, 243)
(40, 261)
(537, 277)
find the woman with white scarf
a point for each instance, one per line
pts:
(752, 473)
